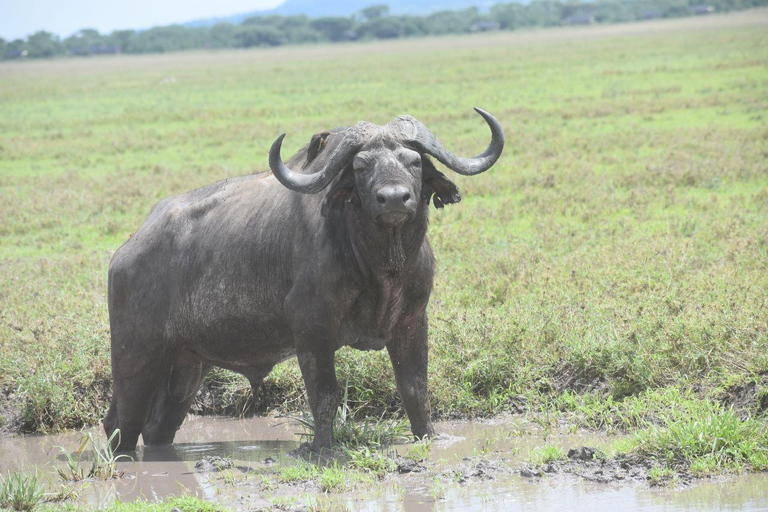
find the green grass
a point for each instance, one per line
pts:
(353, 431)
(339, 478)
(182, 503)
(615, 254)
(20, 491)
(662, 477)
(103, 460)
(712, 442)
(545, 454)
(369, 460)
(336, 476)
(298, 473)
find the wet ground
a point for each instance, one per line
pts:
(474, 466)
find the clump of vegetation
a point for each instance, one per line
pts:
(419, 451)
(660, 476)
(103, 464)
(333, 477)
(20, 491)
(298, 473)
(714, 441)
(369, 460)
(338, 478)
(352, 431)
(546, 454)
(180, 503)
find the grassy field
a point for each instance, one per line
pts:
(615, 257)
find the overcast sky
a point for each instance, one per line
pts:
(19, 18)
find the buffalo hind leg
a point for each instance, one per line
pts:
(172, 400)
(130, 404)
(110, 421)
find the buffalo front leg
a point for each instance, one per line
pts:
(317, 368)
(408, 353)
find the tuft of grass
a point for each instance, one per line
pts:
(337, 478)
(180, 503)
(63, 493)
(351, 431)
(715, 441)
(20, 491)
(419, 451)
(660, 476)
(298, 473)
(103, 463)
(438, 489)
(546, 454)
(369, 460)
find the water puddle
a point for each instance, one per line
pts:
(472, 469)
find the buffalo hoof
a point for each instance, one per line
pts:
(310, 453)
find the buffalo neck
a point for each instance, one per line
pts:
(381, 251)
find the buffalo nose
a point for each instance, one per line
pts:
(393, 197)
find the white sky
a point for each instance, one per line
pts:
(19, 18)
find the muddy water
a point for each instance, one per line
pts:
(260, 445)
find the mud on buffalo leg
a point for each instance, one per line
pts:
(136, 375)
(110, 421)
(317, 368)
(173, 398)
(409, 355)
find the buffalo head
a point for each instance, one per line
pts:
(386, 170)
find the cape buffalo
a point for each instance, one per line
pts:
(247, 272)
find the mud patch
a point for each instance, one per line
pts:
(214, 463)
(748, 398)
(404, 465)
(478, 469)
(593, 465)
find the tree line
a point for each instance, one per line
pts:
(374, 22)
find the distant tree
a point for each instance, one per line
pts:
(451, 22)
(222, 35)
(542, 13)
(301, 35)
(169, 38)
(122, 39)
(17, 45)
(333, 28)
(258, 35)
(43, 44)
(83, 42)
(508, 16)
(377, 23)
(263, 21)
(380, 28)
(375, 12)
(392, 26)
(3, 46)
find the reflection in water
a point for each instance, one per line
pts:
(160, 471)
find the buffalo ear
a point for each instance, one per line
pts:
(438, 185)
(343, 191)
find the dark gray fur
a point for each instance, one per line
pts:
(245, 273)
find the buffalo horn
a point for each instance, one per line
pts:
(422, 137)
(315, 182)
